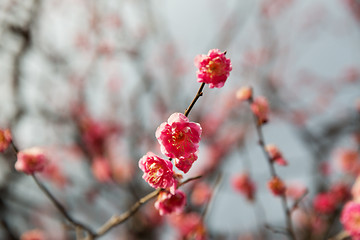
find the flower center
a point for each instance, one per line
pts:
(215, 67)
(178, 136)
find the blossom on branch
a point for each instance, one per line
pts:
(243, 184)
(190, 225)
(277, 186)
(275, 155)
(168, 203)
(158, 172)
(214, 68)
(31, 160)
(5, 139)
(179, 138)
(244, 93)
(184, 164)
(350, 218)
(324, 203)
(260, 108)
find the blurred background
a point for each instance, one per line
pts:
(90, 81)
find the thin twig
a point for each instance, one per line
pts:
(216, 187)
(286, 209)
(198, 95)
(297, 202)
(116, 220)
(61, 208)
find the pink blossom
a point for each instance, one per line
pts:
(35, 234)
(340, 192)
(158, 172)
(277, 186)
(243, 184)
(168, 203)
(53, 172)
(178, 137)
(190, 225)
(214, 68)
(348, 160)
(201, 194)
(295, 190)
(31, 160)
(101, 169)
(260, 108)
(5, 139)
(184, 164)
(244, 93)
(275, 155)
(324, 203)
(350, 218)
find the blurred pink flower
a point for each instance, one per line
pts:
(179, 138)
(190, 225)
(350, 218)
(214, 68)
(5, 139)
(34, 234)
(341, 192)
(31, 160)
(201, 194)
(101, 169)
(168, 203)
(348, 160)
(260, 108)
(275, 155)
(53, 172)
(243, 184)
(295, 190)
(277, 186)
(324, 203)
(158, 172)
(244, 93)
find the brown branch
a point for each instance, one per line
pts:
(258, 125)
(297, 202)
(116, 220)
(198, 95)
(62, 209)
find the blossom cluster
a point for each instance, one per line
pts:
(179, 139)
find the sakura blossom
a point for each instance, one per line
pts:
(277, 186)
(201, 194)
(214, 68)
(350, 219)
(31, 160)
(260, 108)
(275, 155)
(5, 139)
(244, 93)
(243, 184)
(189, 225)
(158, 172)
(101, 169)
(324, 203)
(179, 138)
(184, 164)
(170, 203)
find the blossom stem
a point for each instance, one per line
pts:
(258, 124)
(116, 220)
(62, 209)
(198, 95)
